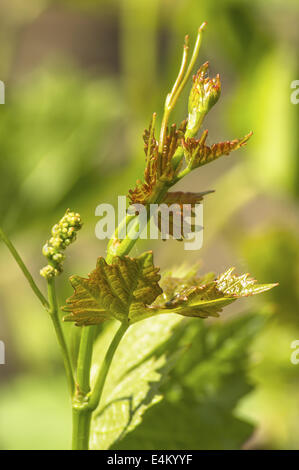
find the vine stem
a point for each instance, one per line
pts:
(82, 412)
(81, 428)
(180, 82)
(51, 306)
(23, 268)
(101, 378)
(84, 360)
(53, 311)
(84, 401)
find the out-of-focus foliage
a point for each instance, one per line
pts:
(50, 131)
(70, 136)
(276, 376)
(35, 414)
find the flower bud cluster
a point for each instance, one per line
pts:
(63, 234)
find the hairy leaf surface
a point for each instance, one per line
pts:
(128, 291)
(194, 298)
(122, 290)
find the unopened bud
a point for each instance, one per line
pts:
(205, 92)
(48, 272)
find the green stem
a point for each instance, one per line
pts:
(60, 335)
(180, 83)
(85, 351)
(176, 159)
(81, 428)
(50, 306)
(101, 378)
(84, 406)
(121, 247)
(183, 173)
(191, 65)
(84, 359)
(25, 271)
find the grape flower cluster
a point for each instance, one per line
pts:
(63, 234)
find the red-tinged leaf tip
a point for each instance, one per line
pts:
(197, 153)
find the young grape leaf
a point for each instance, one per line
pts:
(179, 219)
(198, 154)
(195, 299)
(179, 197)
(141, 365)
(128, 291)
(158, 165)
(122, 290)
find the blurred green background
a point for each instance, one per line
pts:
(82, 80)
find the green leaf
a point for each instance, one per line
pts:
(128, 291)
(141, 364)
(188, 426)
(203, 391)
(122, 290)
(193, 298)
(240, 286)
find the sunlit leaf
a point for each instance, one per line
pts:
(203, 390)
(141, 364)
(121, 290)
(195, 299)
(128, 291)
